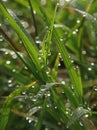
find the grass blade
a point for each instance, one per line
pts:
(7, 103)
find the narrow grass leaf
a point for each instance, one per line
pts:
(70, 95)
(40, 119)
(7, 103)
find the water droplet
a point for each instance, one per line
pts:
(39, 58)
(1, 38)
(29, 121)
(47, 72)
(33, 86)
(10, 81)
(27, 118)
(34, 99)
(8, 62)
(84, 52)
(67, 112)
(55, 107)
(95, 88)
(4, 0)
(95, 19)
(6, 53)
(48, 105)
(74, 32)
(26, 68)
(78, 21)
(24, 93)
(59, 64)
(89, 69)
(81, 124)
(14, 70)
(63, 82)
(84, 14)
(61, 39)
(59, 123)
(86, 115)
(92, 64)
(10, 85)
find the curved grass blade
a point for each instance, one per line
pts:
(77, 114)
(7, 103)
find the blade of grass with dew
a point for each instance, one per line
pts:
(47, 39)
(70, 95)
(25, 37)
(67, 61)
(40, 119)
(33, 17)
(77, 114)
(55, 69)
(26, 60)
(7, 103)
(65, 56)
(17, 76)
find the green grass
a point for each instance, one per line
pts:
(33, 93)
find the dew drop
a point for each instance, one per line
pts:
(14, 70)
(59, 123)
(84, 15)
(63, 82)
(84, 52)
(23, 93)
(78, 21)
(34, 99)
(89, 69)
(29, 121)
(10, 81)
(6, 53)
(55, 107)
(67, 112)
(27, 118)
(10, 85)
(47, 72)
(92, 64)
(8, 62)
(95, 88)
(81, 124)
(86, 115)
(33, 86)
(74, 32)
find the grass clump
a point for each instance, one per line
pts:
(48, 65)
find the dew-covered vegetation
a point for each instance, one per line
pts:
(48, 65)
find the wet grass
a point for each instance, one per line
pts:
(39, 41)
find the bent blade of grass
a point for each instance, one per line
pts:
(77, 114)
(7, 103)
